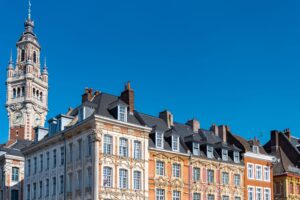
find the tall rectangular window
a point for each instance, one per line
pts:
(108, 145)
(29, 167)
(250, 193)
(160, 168)
(123, 147)
(90, 177)
(225, 178)
(47, 160)
(210, 151)
(175, 143)
(224, 154)
(71, 152)
(258, 172)
(210, 197)
(70, 183)
(123, 179)
(137, 150)
(236, 157)
(79, 142)
(122, 115)
(62, 156)
(237, 180)
(136, 180)
(196, 174)
(267, 173)
(250, 171)
(176, 195)
(267, 193)
(160, 194)
(159, 140)
(210, 176)
(79, 179)
(41, 162)
(54, 186)
(41, 189)
(15, 174)
(255, 149)
(47, 187)
(258, 194)
(35, 165)
(176, 170)
(196, 196)
(28, 192)
(107, 177)
(196, 149)
(61, 184)
(54, 158)
(89, 145)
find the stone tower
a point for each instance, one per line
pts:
(27, 86)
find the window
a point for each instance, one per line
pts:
(258, 172)
(54, 186)
(28, 192)
(61, 184)
(176, 170)
(108, 145)
(29, 167)
(48, 160)
(136, 180)
(90, 177)
(47, 187)
(159, 140)
(236, 157)
(237, 198)
(15, 174)
(70, 178)
(225, 178)
(210, 152)
(196, 174)
(250, 193)
(54, 158)
(41, 162)
(250, 171)
(160, 168)
(137, 150)
(107, 177)
(122, 116)
(225, 197)
(62, 156)
(291, 188)
(41, 189)
(23, 55)
(196, 196)
(123, 178)
(89, 145)
(160, 194)
(79, 149)
(34, 57)
(123, 147)
(255, 149)
(71, 152)
(277, 188)
(224, 154)
(210, 176)
(196, 149)
(176, 195)
(267, 194)
(267, 173)
(210, 197)
(237, 180)
(34, 165)
(258, 194)
(79, 179)
(175, 143)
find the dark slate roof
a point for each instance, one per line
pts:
(247, 145)
(15, 148)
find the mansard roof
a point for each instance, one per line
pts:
(15, 148)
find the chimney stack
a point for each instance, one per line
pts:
(214, 128)
(128, 97)
(167, 117)
(88, 95)
(223, 132)
(287, 133)
(194, 124)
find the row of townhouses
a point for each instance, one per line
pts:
(106, 149)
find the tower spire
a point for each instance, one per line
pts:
(29, 9)
(10, 58)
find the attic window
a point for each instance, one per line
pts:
(224, 154)
(175, 143)
(236, 157)
(122, 113)
(210, 151)
(196, 149)
(159, 140)
(255, 149)
(81, 114)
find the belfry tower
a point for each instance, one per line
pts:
(27, 86)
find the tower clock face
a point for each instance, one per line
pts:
(18, 118)
(37, 120)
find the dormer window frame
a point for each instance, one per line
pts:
(236, 157)
(81, 113)
(196, 149)
(175, 140)
(210, 151)
(225, 154)
(255, 149)
(161, 146)
(122, 113)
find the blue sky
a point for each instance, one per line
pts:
(225, 62)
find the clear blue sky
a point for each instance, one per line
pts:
(224, 62)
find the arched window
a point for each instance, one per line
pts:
(37, 94)
(41, 96)
(14, 93)
(33, 92)
(23, 55)
(18, 92)
(34, 57)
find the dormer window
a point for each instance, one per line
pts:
(196, 149)
(210, 151)
(81, 114)
(255, 149)
(122, 113)
(236, 157)
(159, 140)
(175, 143)
(224, 154)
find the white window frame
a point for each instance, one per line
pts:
(252, 191)
(210, 197)
(210, 151)
(266, 176)
(159, 194)
(225, 178)
(255, 149)
(123, 178)
(159, 140)
(108, 144)
(176, 170)
(160, 169)
(196, 149)
(248, 174)
(196, 176)
(197, 196)
(137, 150)
(225, 154)
(265, 194)
(122, 114)
(237, 179)
(123, 147)
(137, 180)
(259, 172)
(213, 176)
(236, 157)
(261, 193)
(107, 177)
(175, 143)
(176, 195)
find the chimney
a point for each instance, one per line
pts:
(128, 97)
(88, 95)
(223, 132)
(194, 124)
(214, 128)
(167, 117)
(287, 133)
